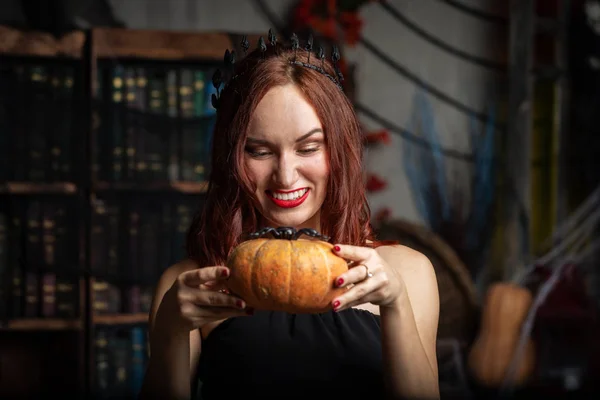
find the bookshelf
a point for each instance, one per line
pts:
(106, 153)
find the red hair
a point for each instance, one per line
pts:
(228, 212)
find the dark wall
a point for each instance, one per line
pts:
(584, 132)
(56, 16)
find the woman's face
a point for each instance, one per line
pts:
(286, 158)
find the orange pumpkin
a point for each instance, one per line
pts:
(295, 276)
(505, 309)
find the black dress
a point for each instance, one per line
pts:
(275, 355)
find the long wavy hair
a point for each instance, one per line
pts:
(228, 212)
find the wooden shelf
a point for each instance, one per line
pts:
(159, 45)
(111, 43)
(57, 324)
(42, 324)
(181, 187)
(40, 44)
(71, 188)
(38, 188)
(121, 319)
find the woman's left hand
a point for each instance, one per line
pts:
(372, 279)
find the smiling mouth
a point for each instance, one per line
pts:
(289, 199)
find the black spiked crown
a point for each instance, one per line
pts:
(219, 80)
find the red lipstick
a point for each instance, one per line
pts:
(288, 203)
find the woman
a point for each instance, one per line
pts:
(287, 152)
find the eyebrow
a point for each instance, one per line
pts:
(301, 138)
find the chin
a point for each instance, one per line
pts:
(286, 220)
(295, 218)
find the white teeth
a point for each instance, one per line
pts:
(289, 196)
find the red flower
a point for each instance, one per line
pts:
(332, 19)
(351, 25)
(375, 183)
(380, 136)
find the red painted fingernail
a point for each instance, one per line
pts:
(340, 282)
(336, 248)
(224, 272)
(239, 303)
(336, 304)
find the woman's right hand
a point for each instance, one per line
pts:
(197, 297)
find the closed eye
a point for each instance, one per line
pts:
(308, 151)
(264, 153)
(257, 153)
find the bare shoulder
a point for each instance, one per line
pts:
(417, 272)
(409, 261)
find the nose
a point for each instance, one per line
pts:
(286, 172)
